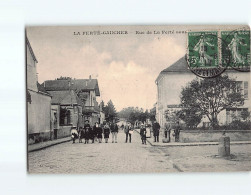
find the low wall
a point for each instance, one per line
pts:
(64, 131)
(38, 137)
(213, 136)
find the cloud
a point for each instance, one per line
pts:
(126, 72)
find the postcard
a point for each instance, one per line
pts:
(138, 99)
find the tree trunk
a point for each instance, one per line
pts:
(214, 122)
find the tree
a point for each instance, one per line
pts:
(210, 96)
(191, 117)
(133, 114)
(152, 114)
(110, 112)
(245, 114)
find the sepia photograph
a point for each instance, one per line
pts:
(138, 99)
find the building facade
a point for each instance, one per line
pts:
(86, 91)
(38, 102)
(172, 79)
(66, 112)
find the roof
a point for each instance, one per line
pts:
(76, 84)
(31, 50)
(41, 89)
(64, 97)
(178, 66)
(181, 66)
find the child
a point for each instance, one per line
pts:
(143, 134)
(74, 134)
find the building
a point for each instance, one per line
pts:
(38, 102)
(171, 80)
(87, 90)
(66, 110)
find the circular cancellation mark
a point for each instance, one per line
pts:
(204, 54)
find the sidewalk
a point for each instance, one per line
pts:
(171, 144)
(213, 163)
(42, 145)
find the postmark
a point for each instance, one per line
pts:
(236, 49)
(203, 54)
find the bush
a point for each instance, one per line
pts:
(238, 125)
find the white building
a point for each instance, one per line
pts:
(171, 80)
(38, 101)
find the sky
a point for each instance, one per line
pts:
(126, 66)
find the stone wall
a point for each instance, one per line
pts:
(212, 136)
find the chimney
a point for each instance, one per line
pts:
(90, 77)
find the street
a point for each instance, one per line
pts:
(134, 157)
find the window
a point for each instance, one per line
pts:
(75, 109)
(242, 87)
(65, 116)
(234, 114)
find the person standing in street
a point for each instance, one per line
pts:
(74, 134)
(80, 134)
(156, 128)
(143, 134)
(177, 132)
(127, 130)
(94, 131)
(87, 129)
(114, 131)
(106, 132)
(168, 128)
(99, 131)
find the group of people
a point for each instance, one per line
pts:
(100, 131)
(176, 131)
(97, 132)
(156, 130)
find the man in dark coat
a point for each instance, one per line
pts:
(156, 128)
(87, 131)
(114, 131)
(99, 133)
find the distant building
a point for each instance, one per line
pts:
(38, 101)
(171, 80)
(85, 89)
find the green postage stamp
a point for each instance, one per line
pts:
(203, 49)
(236, 52)
(210, 53)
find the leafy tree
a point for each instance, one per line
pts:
(110, 112)
(210, 96)
(152, 114)
(191, 117)
(245, 114)
(133, 114)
